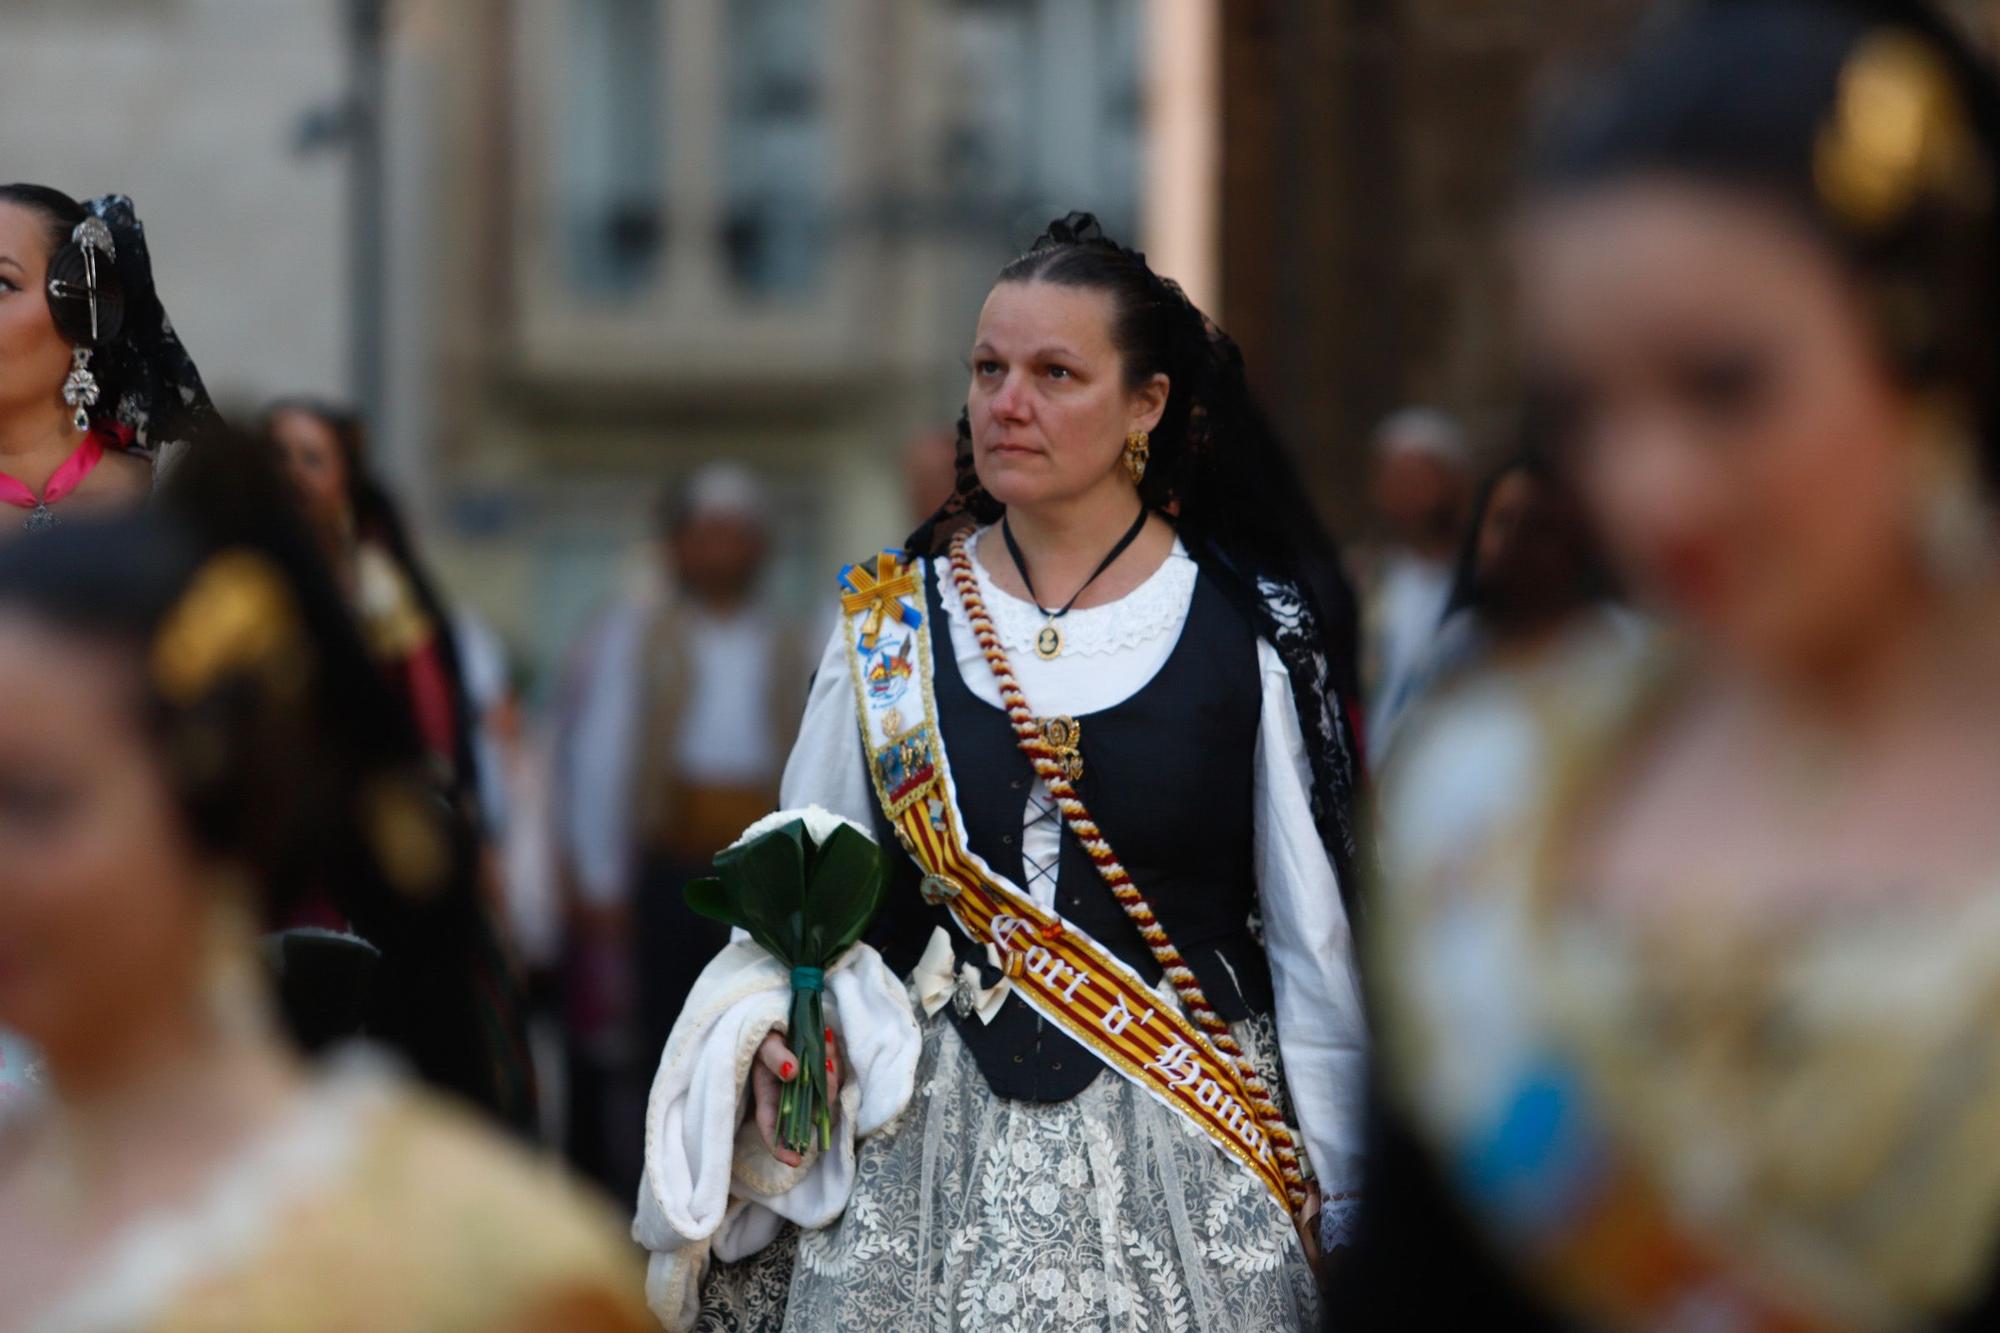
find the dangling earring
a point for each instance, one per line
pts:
(1954, 525)
(236, 996)
(1138, 452)
(80, 390)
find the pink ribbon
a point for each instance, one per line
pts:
(67, 478)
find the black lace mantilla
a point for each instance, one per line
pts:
(151, 383)
(1282, 613)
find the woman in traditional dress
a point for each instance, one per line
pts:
(1107, 623)
(94, 384)
(1689, 986)
(368, 546)
(193, 738)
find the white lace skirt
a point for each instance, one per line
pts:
(974, 1213)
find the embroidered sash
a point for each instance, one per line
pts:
(1056, 968)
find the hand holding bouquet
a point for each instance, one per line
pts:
(804, 884)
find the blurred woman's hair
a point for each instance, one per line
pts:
(286, 755)
(1872, 121)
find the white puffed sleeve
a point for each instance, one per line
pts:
(1320, 1033)
(825, 767)
(710, 1186)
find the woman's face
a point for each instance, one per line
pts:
(102, 920)
(1049, 404)
(1738, 436)
(317, 465)
(34, 357)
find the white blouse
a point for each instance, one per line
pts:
(1110, 652)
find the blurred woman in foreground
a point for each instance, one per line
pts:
(1697, 1023)
(193, 739)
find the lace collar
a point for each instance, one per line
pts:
(1153, 610)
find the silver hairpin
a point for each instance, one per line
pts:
(93, 234)
(93, 237)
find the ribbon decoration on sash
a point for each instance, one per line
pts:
(887, 589)
(1056, 968)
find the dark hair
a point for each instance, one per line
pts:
(1753, 94)
(59, 211)
(291, 762)
(1216, 464)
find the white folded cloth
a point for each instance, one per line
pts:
(710, 1185)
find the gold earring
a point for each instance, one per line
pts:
(1138, 452)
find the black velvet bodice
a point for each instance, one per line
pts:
(1168, 776)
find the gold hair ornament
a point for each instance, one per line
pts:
(237, 616)
(1898, 133)
(404, 826)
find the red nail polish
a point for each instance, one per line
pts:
(829, 1064)
(785, 1069)
(829, 1034)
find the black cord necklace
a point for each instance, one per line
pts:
(1049, 642)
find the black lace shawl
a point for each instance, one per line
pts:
(149, 381)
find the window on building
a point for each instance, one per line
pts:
(611, 167)
(776, 225)
(1045, 110)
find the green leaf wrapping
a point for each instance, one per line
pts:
(799, 1129)
(765, 883)
(850, 878)
(710, 899)
(805, 904)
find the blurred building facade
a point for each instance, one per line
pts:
(625, 237)
(756, 229)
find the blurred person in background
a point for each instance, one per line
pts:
(196, 737)
(675, 745)
(1419, 491)
(1531, 589)
(94, 384)
(364, 542)
(368, 546)
(1694, 1024)
(521, 878)
(994, 1164)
